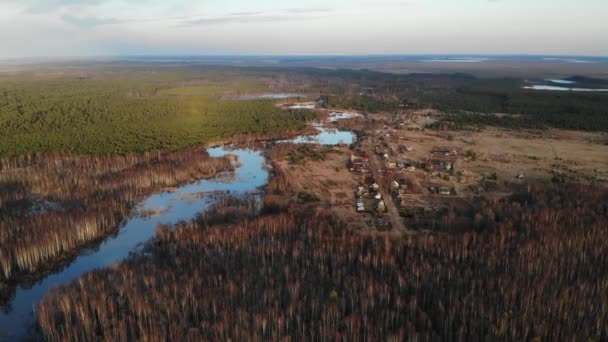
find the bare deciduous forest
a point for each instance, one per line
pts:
(534, 267)
(51, 206)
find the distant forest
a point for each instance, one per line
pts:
(570, 110)
(135, 109)
(460, 93)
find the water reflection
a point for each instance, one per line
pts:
(167, 208)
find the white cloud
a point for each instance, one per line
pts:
(89, 27)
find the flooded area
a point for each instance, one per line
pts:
(164, 208)
(326, 136)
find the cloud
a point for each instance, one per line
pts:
(97, 27)
(45, 6)
(247, 13)
(308, 10)
(247, 17)
(88, 22)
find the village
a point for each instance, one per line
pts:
(406, 177)
(413, 177)
(389, 176)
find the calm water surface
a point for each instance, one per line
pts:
(172, 207)
(182, 204)
(558, 88)
(561, 81)
(325, 136)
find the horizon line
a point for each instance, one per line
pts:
(34, 59)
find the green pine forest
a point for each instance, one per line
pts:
(104, 115)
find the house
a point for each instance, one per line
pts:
(405, 163)
(395, 185)
(441, 163)
(444, 190)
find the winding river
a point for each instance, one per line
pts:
(179, 205)
(183, 204)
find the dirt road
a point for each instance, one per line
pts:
(376, 164)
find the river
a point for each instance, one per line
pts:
(175, 206)
(183, 204)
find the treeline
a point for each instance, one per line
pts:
(463, 120)
(532, 267)
(118, 115)
(571, 110)
(51, 205)
(364, 103)
(370, 91)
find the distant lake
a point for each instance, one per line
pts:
(568, 60)
(326, 136)
(561, 81)
(558, 88)
(455, 60)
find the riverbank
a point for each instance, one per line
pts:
(92, 196)
(184, 207)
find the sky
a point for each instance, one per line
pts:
(71, 28)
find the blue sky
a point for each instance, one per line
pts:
(39, 28)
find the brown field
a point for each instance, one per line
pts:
(538, 156)
(517, 158)
(330, 181)
(509, 153)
